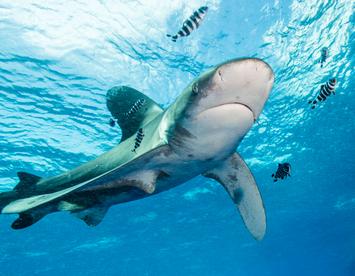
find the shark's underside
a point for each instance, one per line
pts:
(160, 149)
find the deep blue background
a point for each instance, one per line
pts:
(57, 60)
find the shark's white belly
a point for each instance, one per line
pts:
(213, 133)
(199, 151)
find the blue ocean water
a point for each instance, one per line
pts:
(58, 59)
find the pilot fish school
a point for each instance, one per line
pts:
(160, 149)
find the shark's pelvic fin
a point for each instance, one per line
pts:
(68, 206)
(144, 180)
(27, 182)
(131, 109)
(239, 182)
(92, 216)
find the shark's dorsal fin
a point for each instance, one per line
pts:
(27, 182)
(131, 109)
(239, 182)
(92, 216)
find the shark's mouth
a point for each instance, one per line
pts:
(247, 106)
(243, 104)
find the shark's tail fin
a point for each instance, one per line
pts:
(26, 219)
(6, 198)
(26, 187)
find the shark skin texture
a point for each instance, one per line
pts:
(160, 149)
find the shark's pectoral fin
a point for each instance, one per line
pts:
(92, 216)
(239, 182)
(131, 109)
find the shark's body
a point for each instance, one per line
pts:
(197, 134)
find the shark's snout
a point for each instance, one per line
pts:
(244, 81)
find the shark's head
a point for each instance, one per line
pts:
(246, 82)
(222, 105)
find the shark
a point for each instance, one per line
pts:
(198, 134)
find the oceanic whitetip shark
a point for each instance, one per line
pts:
(160, 149)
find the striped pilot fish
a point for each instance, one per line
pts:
(325, 91)
(135, 107)
(192, 23)
(282, 172)
(138, 140)
(324, 55)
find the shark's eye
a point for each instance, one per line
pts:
(195, 88)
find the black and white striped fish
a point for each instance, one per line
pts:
(138, 140)
(135, 107)
(282, 172)
(325, 91)
(324, 55)
(190, 24)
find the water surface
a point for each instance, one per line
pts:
(58, 59)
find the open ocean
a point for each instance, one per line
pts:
(59, 58)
